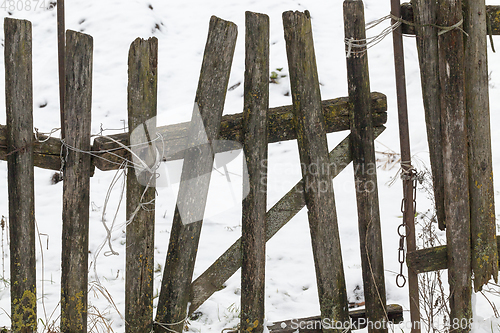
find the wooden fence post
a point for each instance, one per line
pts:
(365, 170)
(254, 208)
(313, 151)
(142, 101)
(19, 107)
(76, 188)
(427, 46)
(195, 177)
(455, 162)
(482, 203)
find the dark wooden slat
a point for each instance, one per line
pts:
(142, 102)
(481, 190)
(280, 125)
(313, 324)
(427, 46)
(19, 108)
(455, 161)
(365, 176)
(195, 178)
(433, 259)
(283, 211)
(76, 188)
(313, 151)
(254, 206)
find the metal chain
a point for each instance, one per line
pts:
(410, 174)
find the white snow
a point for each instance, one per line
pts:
(183, 25)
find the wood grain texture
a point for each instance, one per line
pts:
(433, 258)
(19, 108)
(140, 206)
(254, 206)
(428, 56)
(76, 186)
(365, 175)
(481, 190)
(455, 161)
(195, 177)
(313, 151)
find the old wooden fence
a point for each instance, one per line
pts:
(307, 120)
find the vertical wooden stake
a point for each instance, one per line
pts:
(313, 151)
(195, 177)
(76, 188)
(455, 162)
(19, 107)
(365, 175)
(482, 203)
(253, 238)
(427, 45)
(142, 101)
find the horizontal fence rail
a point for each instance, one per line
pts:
(109, 155)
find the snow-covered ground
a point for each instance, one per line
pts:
(181, 28)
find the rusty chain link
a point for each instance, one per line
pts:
(407, 175)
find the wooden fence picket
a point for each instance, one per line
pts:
(455, 162)
(365, 170)
(254, 206)
(482, 202)
(198, 162)
(142, 102)
(427, 46)
(313, 151)
(76, 183)
(19, 108)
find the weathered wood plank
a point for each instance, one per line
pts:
(427, 46)
(481, 191)
(195, 178)
(336, 113)
(19, 108)
(254, 206)
(365, 174)
(358, 320)
(47, 154)
(283, 211)
(142, 102)
(455, 161)
(433, 258)
(76, 186)
(313, 151)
